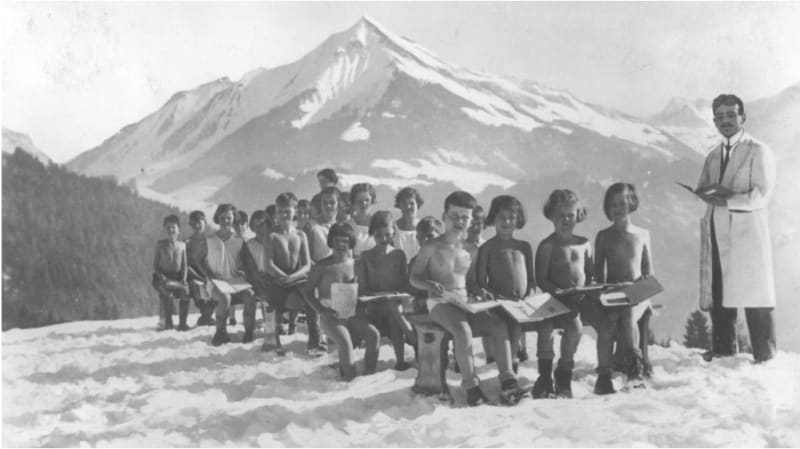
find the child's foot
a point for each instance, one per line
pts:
(232, 320)
(563, 383)
(515, 366)
(510, 392)
(522, 355)
(402, 366)
(291, 329)
(543, 387)
(279, 330)
(248, 336)
(220, 338)
(183, 327)
(475, 396)
(202, 321)
(647, 370)
(603, 385)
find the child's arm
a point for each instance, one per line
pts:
(269, 263)
(600, 257)
(157, 257)
(647, 261)
(402, 271)
(543, 254)
(478, 274)
(309, 291)
(419, 272)
(184, 266)
(588, 263)
(527, 252)
(305, 260)
(361, 274)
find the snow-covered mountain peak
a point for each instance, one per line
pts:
(685, 112)
(13, 140)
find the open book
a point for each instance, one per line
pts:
(631, 294)
(466, 303)
(385, 296)
(709, 190)
(531, 309)
(581, 289)
(231, 286)
(344, 299)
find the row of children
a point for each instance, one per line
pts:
(293, 261)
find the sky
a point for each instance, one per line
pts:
(76, 73)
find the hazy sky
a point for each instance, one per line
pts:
(75, 73)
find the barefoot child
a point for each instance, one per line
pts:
(169, 273)
(226, 260)
(428, 229)
(622, 254)
(408, 200)
(563, 260)
(339, 268)
(505, 264)
(441, 268)
(196, 252)
(383, 269)
(362, 197)
(288, 263)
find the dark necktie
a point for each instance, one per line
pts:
(725, 159)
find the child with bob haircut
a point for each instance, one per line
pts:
(304, 215)
(339, 267)
(362, 197)
(409, 201)
(196, 252)
(441, 269)
(169, 273)
(563, 260)
(622, 255)
(505, 265)
(383, 268)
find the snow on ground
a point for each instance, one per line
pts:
(121, 383)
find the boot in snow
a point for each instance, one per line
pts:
(543, 387)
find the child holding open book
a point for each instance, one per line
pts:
(622, 255)
(563, 261)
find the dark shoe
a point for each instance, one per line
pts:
(635, 369)
(515, 366)
(211, 321)
(232, 320)
(475, 396)
(543, 387)
(291, 329)
(401, 366)
(279, 330)
(202, 321)
(248, 336)
(563, 382)
(647, 370)
(182, 327)
(522, 355)
(183, 313)
(220, 338)
(510, 392)
(604, 385)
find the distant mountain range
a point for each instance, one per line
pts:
(381, 108)
(13, 140)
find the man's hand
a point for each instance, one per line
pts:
(715, 200)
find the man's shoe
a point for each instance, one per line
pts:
(603, 385)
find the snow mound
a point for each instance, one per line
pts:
(121, 383)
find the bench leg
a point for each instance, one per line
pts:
(433, 344)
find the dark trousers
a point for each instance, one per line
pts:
(760, 322)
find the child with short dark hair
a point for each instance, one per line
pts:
(505, 265)
(383, 269)
(339, 268)
(196, 252)
(409, 201)
(622, 255)
(362, 197)
(441, 268)
(428, 229)
(563, 260)
(169, 273)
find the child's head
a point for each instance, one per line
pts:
(341, 237)
(329, 203)
(477, 225)
(172, 226)
(286, 208)
(197, 221)
(428, 229)
(272, 216)
(457, 214)
(409, 201)
(381, 227)
(303, 212)
(327, 178)
(225, 215)
(258, 223)
(241, 222)
(564, 209)
(362, 196)
(506, 214)
(620, 200)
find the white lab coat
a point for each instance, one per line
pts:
(741, 228)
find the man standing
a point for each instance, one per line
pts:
(736, 254)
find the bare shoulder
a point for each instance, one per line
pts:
(521, 245)
(642, 233)
(581, 240)
(547, 243)
(398, 254)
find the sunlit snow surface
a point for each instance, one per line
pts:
(121, 383)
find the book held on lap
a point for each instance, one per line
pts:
(630, 294)
(385, 296)
(231, 286)
(466, 303)
(531, 309)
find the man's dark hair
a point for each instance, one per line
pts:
(727, 100)
(460, 198)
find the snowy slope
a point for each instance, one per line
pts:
(13, 140)
(121, 383)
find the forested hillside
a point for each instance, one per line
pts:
(74, 248)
